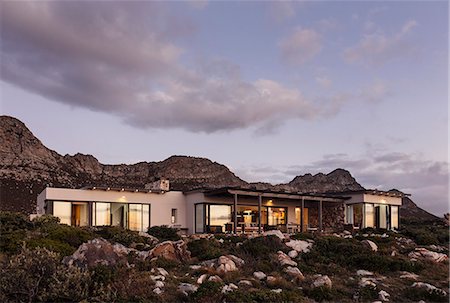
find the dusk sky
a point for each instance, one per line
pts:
(270, 89)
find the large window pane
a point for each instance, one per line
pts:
(277, 216)
(102, 214)
(199, 218)
(62, 210)
(145, 217)
(119, 214)
(357, 215)
(370, 215)
(219, 215)
(394, 216)
(135, 216)
(80, 214)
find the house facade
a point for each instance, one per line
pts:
(231, 210)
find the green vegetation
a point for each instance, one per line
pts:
(426, 233)
(205, 249)
(164, 233)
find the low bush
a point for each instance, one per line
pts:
(205, 249)
(120, 235)
(262, 247)
(11, 221)
(263, 296)
(164, 233)
(208, 292)
(426, 233)
(62, 248)
(321, 294)
(418, 294)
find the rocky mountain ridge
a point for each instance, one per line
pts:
(27, 166)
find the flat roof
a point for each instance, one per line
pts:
(273, 194)
(377, 192)
(134, 190)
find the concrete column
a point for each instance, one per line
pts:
(320, 216)
(302, 209)
(235, 213)
(259, 213)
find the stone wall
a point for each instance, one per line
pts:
(333, 216)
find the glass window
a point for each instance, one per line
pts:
(394, 216)
(145, 217)
(119, 214)
(135, 216)
(276, 216)
(173, 216)
(370, 215)
(382, 216)
(199, 218)
(79, 214)
(349, 214)
(102, 214)
(219, 215)
(62, 210)
(358, 215)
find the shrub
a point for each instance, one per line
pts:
(321, 294)
(262, 247)
(418, 294)
(204, 249)
(121, 235)
(61, 248)
(208, 292)
(263, 295)
(37, 275)
(10, 221)
(164, 233)
(368, 293)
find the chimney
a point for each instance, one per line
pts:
(159, 185)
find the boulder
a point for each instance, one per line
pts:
(294, 272)
(322, 281)
(238, 261)
(275, 232)
(225, 264)
(187, 288)
(171, 250)
(153, 240)
(284, 259)
(429, 288)
(215, 278)
(245, 283)
(362, 272)
(99, 252)
(259, 275)
(299, 246)
(426, 254)
(408, 275)
(383, 296)
(157, 291)
(370, 244)
(293, 254)
(202, 278)
(159, 284)
(367, 282)
(229, 288)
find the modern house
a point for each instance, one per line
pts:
(225, 209)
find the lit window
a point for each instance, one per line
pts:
(173, 218)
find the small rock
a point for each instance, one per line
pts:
(271, 280)
(187, 288)
(195, 267)
(202, 278)
(367, 282)
(294, 272)
(157, 291)
(259, 275)
(293, 254)
(430, 288)
(215, 278)
(226, 264)
(229, 288)
(157, 278)
(278, 290)
(220, 240)
(162, 271)
(245, 283)
(424, 253)
(159, 284)
(299, 245)
(284, 259)
(370, 244)
(383, 296)
(322, 281)
(363, 272)
(408, 275)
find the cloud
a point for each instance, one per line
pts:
(323, 81)
(124, 59)
(377, 47)
(300, 46)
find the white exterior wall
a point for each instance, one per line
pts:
(161, 204)
(382, 199)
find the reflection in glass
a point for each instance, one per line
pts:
(102, 214)
(135, 216)
(62, 210)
